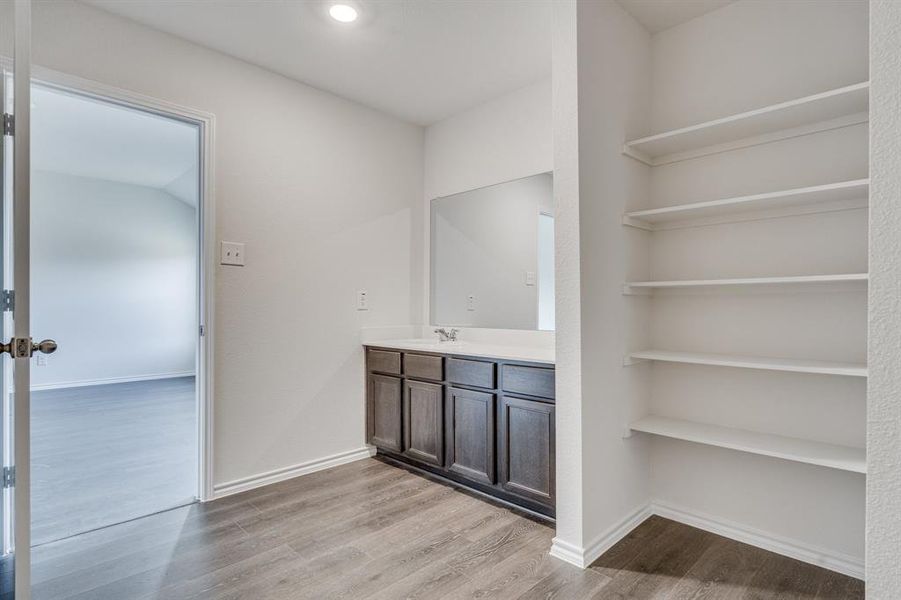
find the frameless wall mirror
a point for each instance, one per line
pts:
(492, 258)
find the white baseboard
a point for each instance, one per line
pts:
(568, 553)
(107, 380)
(582, 557)
(236, 486)
(821, 557)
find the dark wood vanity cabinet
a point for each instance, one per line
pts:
(423, 421)
(526, 439)
(481, 423)
(385, 412)
(471, 434)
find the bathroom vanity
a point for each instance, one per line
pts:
(478, 416)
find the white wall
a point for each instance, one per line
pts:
(613, 47)
(483, 244)
(322, 190)
(502, 140)
(569, 543)
(884, 353)
(113, 280)
(709, 67)
(602, 479)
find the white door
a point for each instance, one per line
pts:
(15, 341)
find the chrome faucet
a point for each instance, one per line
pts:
(445, 335)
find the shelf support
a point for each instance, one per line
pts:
(637, 223)
(638, 155)
(629, 290)
(629, 360)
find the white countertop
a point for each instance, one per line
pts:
(538, 354)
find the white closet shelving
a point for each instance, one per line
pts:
(820, 367)
(817, 198)
(834, 456)
(828, 110)
(633, 287)
(836, 108)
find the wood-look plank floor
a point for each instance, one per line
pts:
(368, 530)
(105, 454)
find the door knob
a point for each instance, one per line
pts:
(44, 347)
(25, 347)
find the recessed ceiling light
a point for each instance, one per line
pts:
(343, 13)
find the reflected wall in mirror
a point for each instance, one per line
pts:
(492, 258)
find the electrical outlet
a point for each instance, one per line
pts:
(470, 302)
(362, 300)
(530, 278)
(232, 254)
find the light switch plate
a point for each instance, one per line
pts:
(231, 253)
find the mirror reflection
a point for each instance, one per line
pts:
(492, 256)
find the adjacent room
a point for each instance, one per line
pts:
(114, 263)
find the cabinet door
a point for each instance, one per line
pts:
(424, 421)
(527, 449)
(384, 412)
(470, 434)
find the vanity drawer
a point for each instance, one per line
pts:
(424, 366)
(471, 372)
(383, 361)
(533, 381)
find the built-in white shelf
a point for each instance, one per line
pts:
(828, 110)
(753, 362)
(634, 287)
(834, 456)
(827, 197)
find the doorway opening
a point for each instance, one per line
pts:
(116, 230)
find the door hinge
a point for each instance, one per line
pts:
(7, 300)
(9, 124)
(9, 477)
(202, 331)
